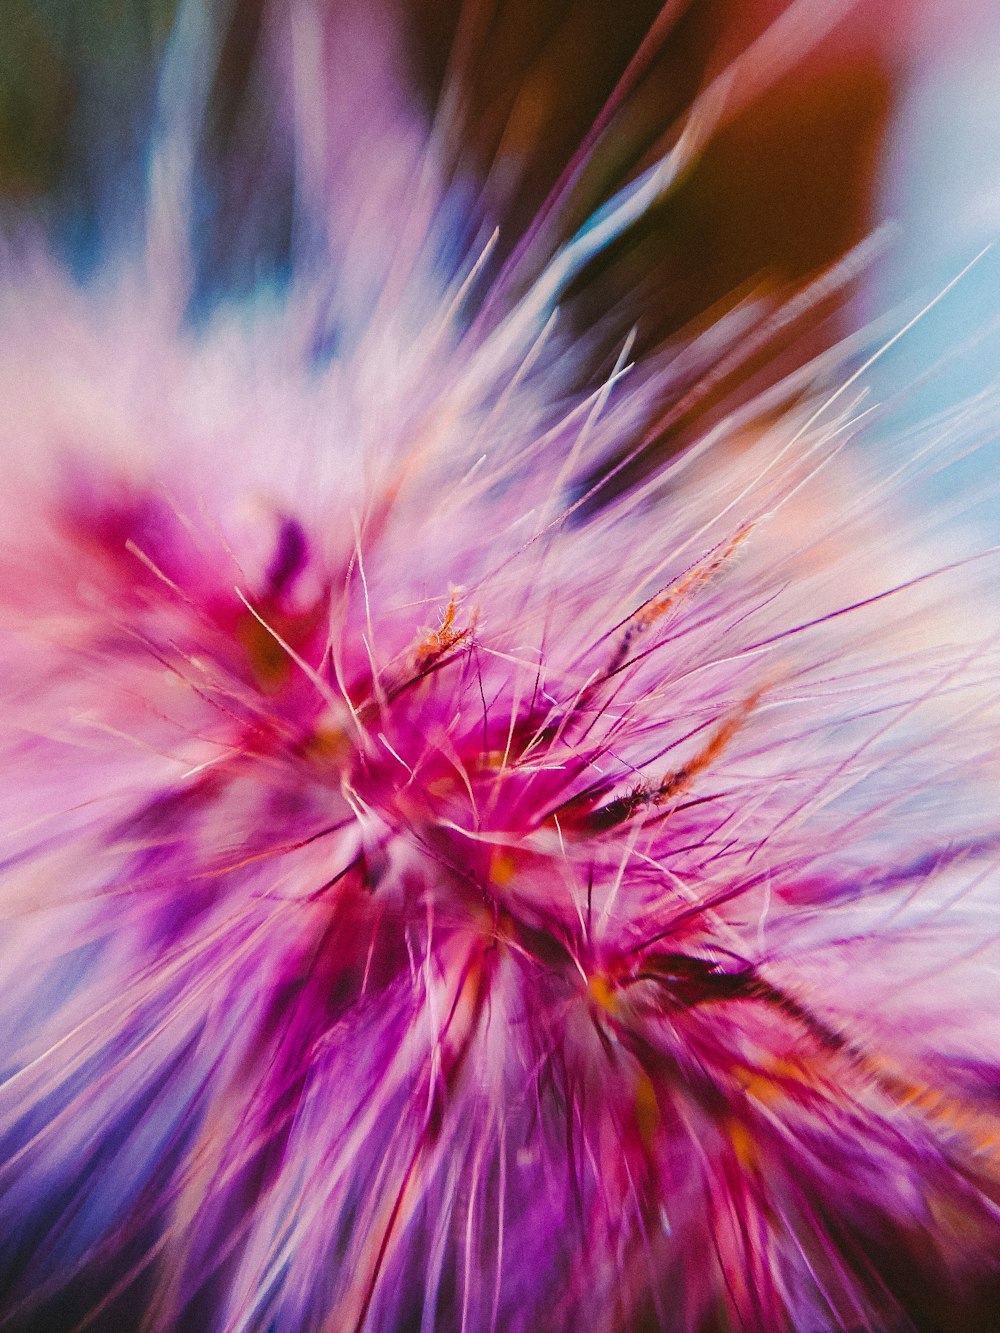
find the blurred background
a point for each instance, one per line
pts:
(890, 114)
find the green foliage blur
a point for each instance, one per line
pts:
(67, 68)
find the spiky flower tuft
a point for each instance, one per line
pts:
(456, 879)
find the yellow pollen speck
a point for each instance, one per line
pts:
(502, 867)
(600, 989)
(647, 1110)
(329, 742)
(764, 1086)
(743, 1144)
(762, 1089)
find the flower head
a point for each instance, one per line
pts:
(457, 878)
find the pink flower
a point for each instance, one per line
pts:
(465, 868)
